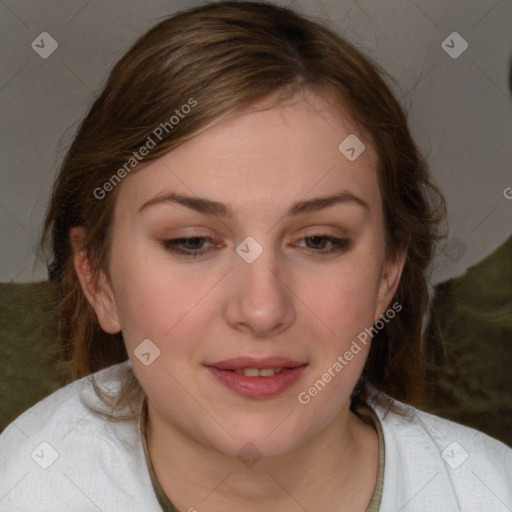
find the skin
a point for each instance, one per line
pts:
(291, 301)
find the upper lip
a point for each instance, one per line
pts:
(238, 363)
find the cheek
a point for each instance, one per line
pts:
(349, 297)
(149, 299)
(160, 301)
(348, 303)
(150, 309)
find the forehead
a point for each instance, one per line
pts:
(265, 157)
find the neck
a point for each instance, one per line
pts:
(335, 470)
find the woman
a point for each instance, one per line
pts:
(240, 231)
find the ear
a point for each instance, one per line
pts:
(96, 288)
(389, 280)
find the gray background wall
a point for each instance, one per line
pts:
(460, 108)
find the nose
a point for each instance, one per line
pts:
(260, 301)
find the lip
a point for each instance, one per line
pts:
(238, 363)
(257, 387)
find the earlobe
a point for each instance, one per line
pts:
(95, 287)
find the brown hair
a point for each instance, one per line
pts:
(226, 56)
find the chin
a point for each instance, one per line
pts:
(255, 439)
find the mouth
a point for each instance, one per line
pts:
(257, 378)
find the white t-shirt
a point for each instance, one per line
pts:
(58, 456)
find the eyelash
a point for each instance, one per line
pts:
(171, 245)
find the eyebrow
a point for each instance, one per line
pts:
(210, 207)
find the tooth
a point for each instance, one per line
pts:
(255, 372)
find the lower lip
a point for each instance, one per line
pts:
(258, 387)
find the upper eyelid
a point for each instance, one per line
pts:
(333, 239)
(324, 230)
(213, 239)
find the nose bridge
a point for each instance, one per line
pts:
(258, 269)
(259, 294)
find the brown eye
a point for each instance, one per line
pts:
(318, 244)
(191, 246)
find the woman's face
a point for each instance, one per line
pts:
(274, 277)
